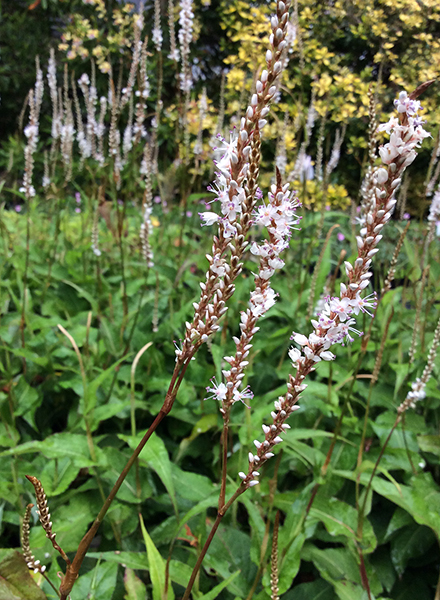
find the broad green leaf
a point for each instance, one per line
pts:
(92, 387)
(180, 572)
(134, 587)
(429, 443)
(58, 474)
(16, 582)
(191, 486)
(218, 588)
(133, 560)
(333, 563)
(71, 445)
(84, 294)
(97, 584)
(155, 455)
(316, 590)
(347, 590)
(156, 567)
(289, 565)
(400, 519)
(340, 518)
(411, 542)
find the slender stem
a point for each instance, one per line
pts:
(72, 571)
(121, 215)
(335, 434)
(25, 279)
(51, 584)
(225, 433)
(130, 336)
(367, 489)
(364, 433)
(221, 513)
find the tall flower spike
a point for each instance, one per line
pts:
(279, 217)
(157, 30)
(174, 52)
(417, 391)
(239, 161)
(335, 323)
(186, 18)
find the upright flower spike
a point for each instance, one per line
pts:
(186, 18)
(279, 217)
(157, 30)
(417, 391)
(31, 131)
(174, 52)
(236, 188)
(335, 322)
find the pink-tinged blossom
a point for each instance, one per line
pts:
(335, 323)
(209, 218)
(217, 391)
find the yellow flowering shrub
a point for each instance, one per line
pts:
(98, 37)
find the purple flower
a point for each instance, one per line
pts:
(189, 214)
(406, 216)
(18, 208)
(156, 199)
(341, 237)
(78, 197)
(77, 209)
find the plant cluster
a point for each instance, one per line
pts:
(115, 316)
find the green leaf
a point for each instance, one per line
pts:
(218, 588)
(334, 564)
(134, 587)
(411, 542)
(290, 564)
(16, 582)
(180, 572)
(84, 294)
(155, 455)
(156, 566)
(429, 443)
(133, 560)
(92, 388)
(57, 475)
(400, 519)
(340, 518)
(97, 584)
(317, 590)
(191, 486)
(68, 445)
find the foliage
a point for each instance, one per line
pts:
(71, 257)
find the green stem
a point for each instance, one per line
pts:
(376, 465)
